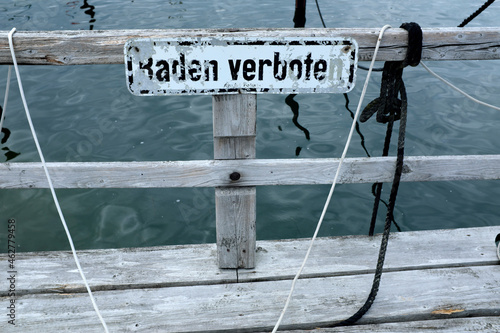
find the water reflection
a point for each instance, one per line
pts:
(358, 130)
(89, 11)
(115, 221)
(377, 187)
(18, 11)
(9, 154)
(294, 106)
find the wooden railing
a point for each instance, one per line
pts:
(235, 172)
(70, 47)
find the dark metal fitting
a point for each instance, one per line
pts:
(235, 176)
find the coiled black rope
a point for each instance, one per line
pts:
(388, 100)
(388, 103)
(389, 108)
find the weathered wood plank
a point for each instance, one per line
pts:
(450, 325)
(235, 213)
(150, 267)
(234, 123)
(358, 254)
(70, 47)
(234, 146)
(403, 296)
(235, 116)
(46, 272)
(253, 172)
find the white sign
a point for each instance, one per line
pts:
(254, 65)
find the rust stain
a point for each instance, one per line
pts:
(53, 60)
(447, 311)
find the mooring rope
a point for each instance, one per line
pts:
(389, 108)
(320, 15)
(337, 173)
(476, 13)
(461, 25)
(388, 220)
(49, 180)
(387, 112)
(458, 89)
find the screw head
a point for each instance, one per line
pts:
(235, 176)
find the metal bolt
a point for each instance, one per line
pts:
(235, 176)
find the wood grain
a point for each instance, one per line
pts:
(253, 172)
(449, 325)
(435, 280)
(239, 307)
(166, 266)
(234, 122)
(70, 47)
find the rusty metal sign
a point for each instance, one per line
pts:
(247, 65)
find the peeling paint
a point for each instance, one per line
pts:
(258, 65)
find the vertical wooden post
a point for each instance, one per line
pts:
(235, 207)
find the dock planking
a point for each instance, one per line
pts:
(444, 280)
(452, 325)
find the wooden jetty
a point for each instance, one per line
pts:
(434, 281)
(438, 281)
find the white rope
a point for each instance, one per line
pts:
(21, 90)
(341, 161)
(6, 96)
(458, 89)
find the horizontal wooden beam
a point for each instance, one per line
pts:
(208, 173)
(77, 47)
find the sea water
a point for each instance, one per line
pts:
(85, 113)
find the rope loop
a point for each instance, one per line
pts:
(388, 106)
(414, 53)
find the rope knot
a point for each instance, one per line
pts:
(388, 106)
(414, 52)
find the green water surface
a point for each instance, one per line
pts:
(85, 113)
